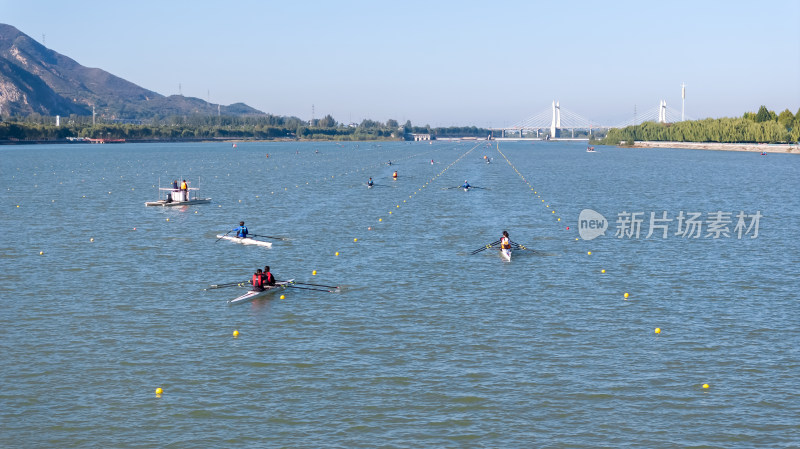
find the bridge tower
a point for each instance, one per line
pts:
(555, 124)
(662, 111)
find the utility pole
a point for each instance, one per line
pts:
(312, 115)
(683, 99)
(93, 122)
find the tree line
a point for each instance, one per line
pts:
(202, 127)
(764, 126)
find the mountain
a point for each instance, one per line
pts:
(35, 79)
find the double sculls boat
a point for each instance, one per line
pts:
(251, 295)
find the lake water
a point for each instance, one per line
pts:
(425, 345)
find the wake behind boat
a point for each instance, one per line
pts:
(251, 295)
(244, 240)
(506, 254)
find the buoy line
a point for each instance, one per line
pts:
(419, 190)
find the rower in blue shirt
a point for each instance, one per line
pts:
(241, 231)
(370, 183)
(466, 185)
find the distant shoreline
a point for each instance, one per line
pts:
(755, 147)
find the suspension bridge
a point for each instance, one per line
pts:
(557, 123)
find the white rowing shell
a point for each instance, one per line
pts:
(251, 295)
(245, 241)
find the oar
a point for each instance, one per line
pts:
(485, 247)
(271, 237)
(231, 284)
(306, 288)
(316, 285)
(518, 246)
(223, 235)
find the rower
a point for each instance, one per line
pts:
(370, 183)
(394, 175)
(241, 230)
(466, 185)
(269, 279)
(505, 243)
(258, 281)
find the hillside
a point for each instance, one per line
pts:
(35, 79)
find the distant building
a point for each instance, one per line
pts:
(417, 137)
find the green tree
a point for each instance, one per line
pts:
(764, 115)
(786, 118)
(326, 122)
(392, 124)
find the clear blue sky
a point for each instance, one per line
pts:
(490, 63)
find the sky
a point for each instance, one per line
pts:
(441, 63)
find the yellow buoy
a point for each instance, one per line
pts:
(159, 391)
(41, 252)
(91, 239)
(314, 273)
(235, 334)
(380, 219)
(589, 253)
(602, 271)
(355, 240)
(283, 296)
(626, 294)
(705, 386)
(658, 330)
(167, 219)
(337, 253)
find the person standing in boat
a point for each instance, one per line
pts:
(241, 230)
(258, 281)
(175, 184)
(269, 279)
(505, 243)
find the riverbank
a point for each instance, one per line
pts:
(755, 147)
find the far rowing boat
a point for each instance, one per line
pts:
(251, 295)
(245, 240)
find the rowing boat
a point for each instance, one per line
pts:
(245, 240)
(170, 197)
(506, 254)
(251, 295)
